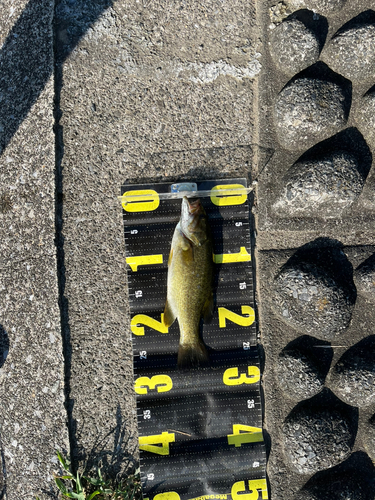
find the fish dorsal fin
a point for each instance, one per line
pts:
(168, 317)
(208, 309)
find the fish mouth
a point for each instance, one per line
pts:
(194, 206)
(191, 207)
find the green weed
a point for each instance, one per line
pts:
(82, 487)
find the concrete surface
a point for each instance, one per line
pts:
(135, 104)
(95, 94)
(32, 415)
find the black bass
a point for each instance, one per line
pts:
(190, 282)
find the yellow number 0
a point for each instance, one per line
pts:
(226, 314)
(150, 443)
(234, 194)
(164, 383)
(231, 376)
(144, 200)
(254, 485)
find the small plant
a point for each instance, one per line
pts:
(81, 487)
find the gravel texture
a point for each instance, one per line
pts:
(354, 374)
(308, 365)
(312, 298)
(293, 46)
(324, 7)
(322, 187)
(351, 51)
(317, 438)
(308, 110)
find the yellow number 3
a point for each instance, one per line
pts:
(231, 376)
(254, 486)
(164, 383)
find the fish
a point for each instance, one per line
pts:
(190, 282)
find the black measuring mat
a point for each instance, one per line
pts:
(200, 429)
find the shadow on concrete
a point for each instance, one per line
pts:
(26, 56)
(108, 452)
(30, 55)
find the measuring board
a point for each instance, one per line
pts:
(200, 429)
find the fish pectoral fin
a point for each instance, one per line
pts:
(168, 317)
(208, 309)
(188, 254)
(170, 257)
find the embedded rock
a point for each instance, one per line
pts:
(309, 110)
(320, 187)
(293, 46)
(365, 278)
(353, 377)
(351, 52)
(298, 374)
(312, 300)
(316, 438)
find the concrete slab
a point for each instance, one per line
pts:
(154, 91)
(32, 416)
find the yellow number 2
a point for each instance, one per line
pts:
(226, 314)
(163, 383)
(159, 326)
(248, 435)
(254, 486)
(231, 376)
(151, 443)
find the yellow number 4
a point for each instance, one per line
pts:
(151, 443)
(248, 435)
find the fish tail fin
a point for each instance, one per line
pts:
(192, 355)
